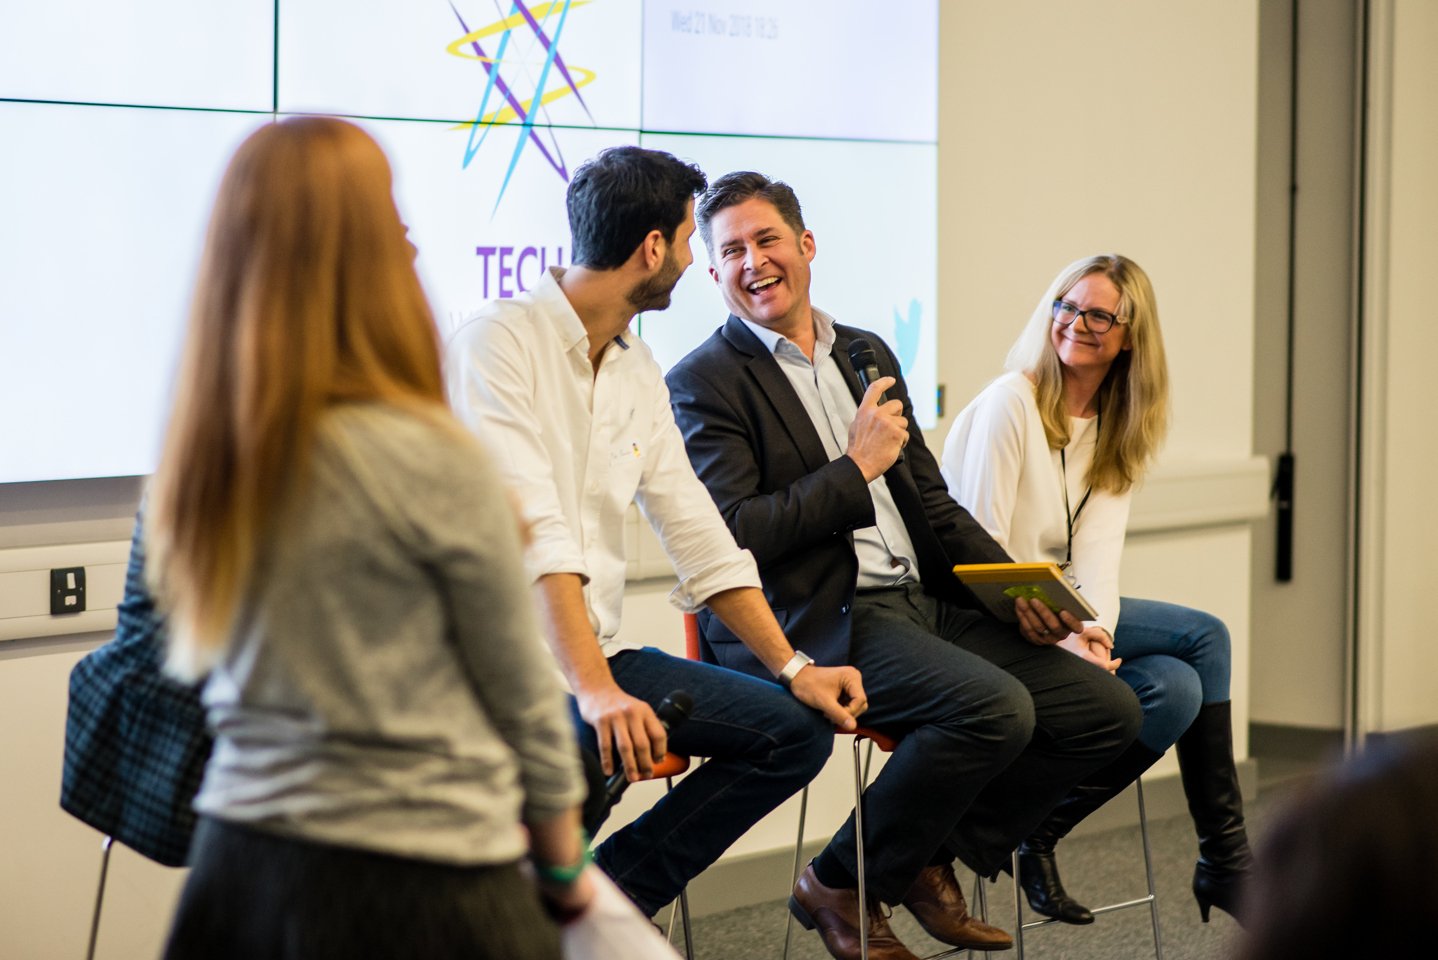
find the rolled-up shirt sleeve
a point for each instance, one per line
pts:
(492, 388)
(683, 515)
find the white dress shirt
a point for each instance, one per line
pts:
(999, 466)
(885, 552)
(578, 446)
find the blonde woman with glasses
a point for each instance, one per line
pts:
(337, 554)
(1046, 458)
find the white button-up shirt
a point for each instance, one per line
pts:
(578, 446)
(885, 551)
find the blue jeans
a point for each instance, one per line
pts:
(762, 746)
(1176, 659)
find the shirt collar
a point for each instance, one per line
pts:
(823, 334)
(555, 306)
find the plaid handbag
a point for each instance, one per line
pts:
(135, 739)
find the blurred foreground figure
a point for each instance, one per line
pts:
(1347, 871)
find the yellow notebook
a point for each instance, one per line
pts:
(997, 585)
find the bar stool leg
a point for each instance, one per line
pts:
(981, 902)
(99, 895)
(1151, 900)
(1018, 908)
(859, 849)
(1148, 869)
(798, 856)
(680, 907)
(688, 931)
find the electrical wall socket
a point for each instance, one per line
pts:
(29, 587)
(67, 590)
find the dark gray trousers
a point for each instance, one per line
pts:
(992, 730)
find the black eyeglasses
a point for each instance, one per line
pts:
(1099, 321)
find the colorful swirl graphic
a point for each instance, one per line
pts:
(501, 85)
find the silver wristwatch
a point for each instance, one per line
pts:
(797, 662)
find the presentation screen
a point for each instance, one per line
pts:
(870, 207)
(159, 53)
(118, 117)
(851, 69)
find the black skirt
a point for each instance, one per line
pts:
(253, 895)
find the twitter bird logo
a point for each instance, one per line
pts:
(906, 335)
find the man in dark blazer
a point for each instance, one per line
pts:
(833, 490)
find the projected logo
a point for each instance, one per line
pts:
(906, 335)
(523, 76)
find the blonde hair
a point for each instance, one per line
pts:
(306, 297)
(1133, 399)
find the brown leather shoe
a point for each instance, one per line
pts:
(937, 902)
(836, 913)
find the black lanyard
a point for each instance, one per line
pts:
(1073, 515)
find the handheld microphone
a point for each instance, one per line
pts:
(672, 711)
(866, 365)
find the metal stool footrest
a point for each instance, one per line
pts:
(1150, 900)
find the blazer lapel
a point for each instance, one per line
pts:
(777, 389)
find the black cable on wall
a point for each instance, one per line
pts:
(1284, 477)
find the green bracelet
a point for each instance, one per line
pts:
(556, 876)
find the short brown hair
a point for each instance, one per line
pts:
(735, 188)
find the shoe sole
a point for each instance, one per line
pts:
(1055, 915)
(987, 945)
(1075, 922)
(800, 914)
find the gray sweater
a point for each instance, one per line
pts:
(386, 686)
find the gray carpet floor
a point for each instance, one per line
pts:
(1098, 868)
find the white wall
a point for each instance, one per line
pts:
(1149, 565)
(51, 861)
(1103, 126)
(1399, 451)
(1300, 627)
(1113, 126)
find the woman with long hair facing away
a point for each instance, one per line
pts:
(339, 557)
(1046, 458)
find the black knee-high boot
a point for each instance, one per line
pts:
(1038, 870)
(1210, 782)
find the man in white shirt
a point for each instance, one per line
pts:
(832, 488)
(574, 411)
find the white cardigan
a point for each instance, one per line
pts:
(999, 466)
